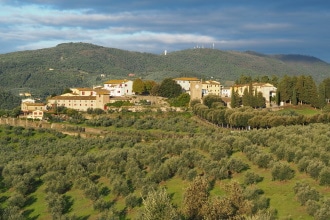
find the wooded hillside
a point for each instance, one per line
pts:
(47, 71)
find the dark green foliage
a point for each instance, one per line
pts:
(96, 111)
(210, 99)
(263, 160)
(314, 168)
(169, 88)
(157, 205)
(17, 200)
(324, 176)
(195, 197)
(132, 201)
(260, 202)
(148, 151)
(12, 213)
(282, 171)
(235, 100)
(48, 71)
(138, 86)
(301, 89)
(181, 101)
(58, 204)
(119, 104)
(312, 207)
(194, 102)
(8, 100)
(323, 213)
(252, 178)
(101, 205)
(236, 165)
(305, 192)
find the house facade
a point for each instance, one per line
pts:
(81, 99)
(268, 90)
(32, 109)
(211, 87)
(226, 91)
(36, 114)
(118, 87)
(185, 82)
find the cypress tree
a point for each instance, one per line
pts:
(234, 100)
(311, 92)
(278, 97)
(294, 98)
(246, 98)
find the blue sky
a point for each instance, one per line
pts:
(271, 27)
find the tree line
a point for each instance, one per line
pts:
(303, 90)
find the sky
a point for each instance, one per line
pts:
(265, 26)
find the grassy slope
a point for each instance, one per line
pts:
(280, 193)
(301, 109)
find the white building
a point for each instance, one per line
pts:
(36, 114)
(32, 109)
(267, 89)
(118, 87)
(184, 82)
(226, 91)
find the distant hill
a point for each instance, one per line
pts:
(51, 70)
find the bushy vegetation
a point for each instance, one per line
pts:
(8, 101)
(249, 118)
(129, 171)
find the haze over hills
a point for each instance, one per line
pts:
(47, 71)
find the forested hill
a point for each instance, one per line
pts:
(46, 71)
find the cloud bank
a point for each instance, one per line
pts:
(296, 26)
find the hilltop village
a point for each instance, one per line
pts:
(82, 99)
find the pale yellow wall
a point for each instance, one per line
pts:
(195, 90)
(97, 101)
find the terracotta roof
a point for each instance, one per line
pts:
(102, 91)
(85, 89)
(187, 79)
(73, 98)
(116, 81)
(34, 104)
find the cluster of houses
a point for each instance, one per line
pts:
(82, 99)
(198, 88)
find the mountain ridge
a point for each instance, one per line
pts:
(50, 70)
